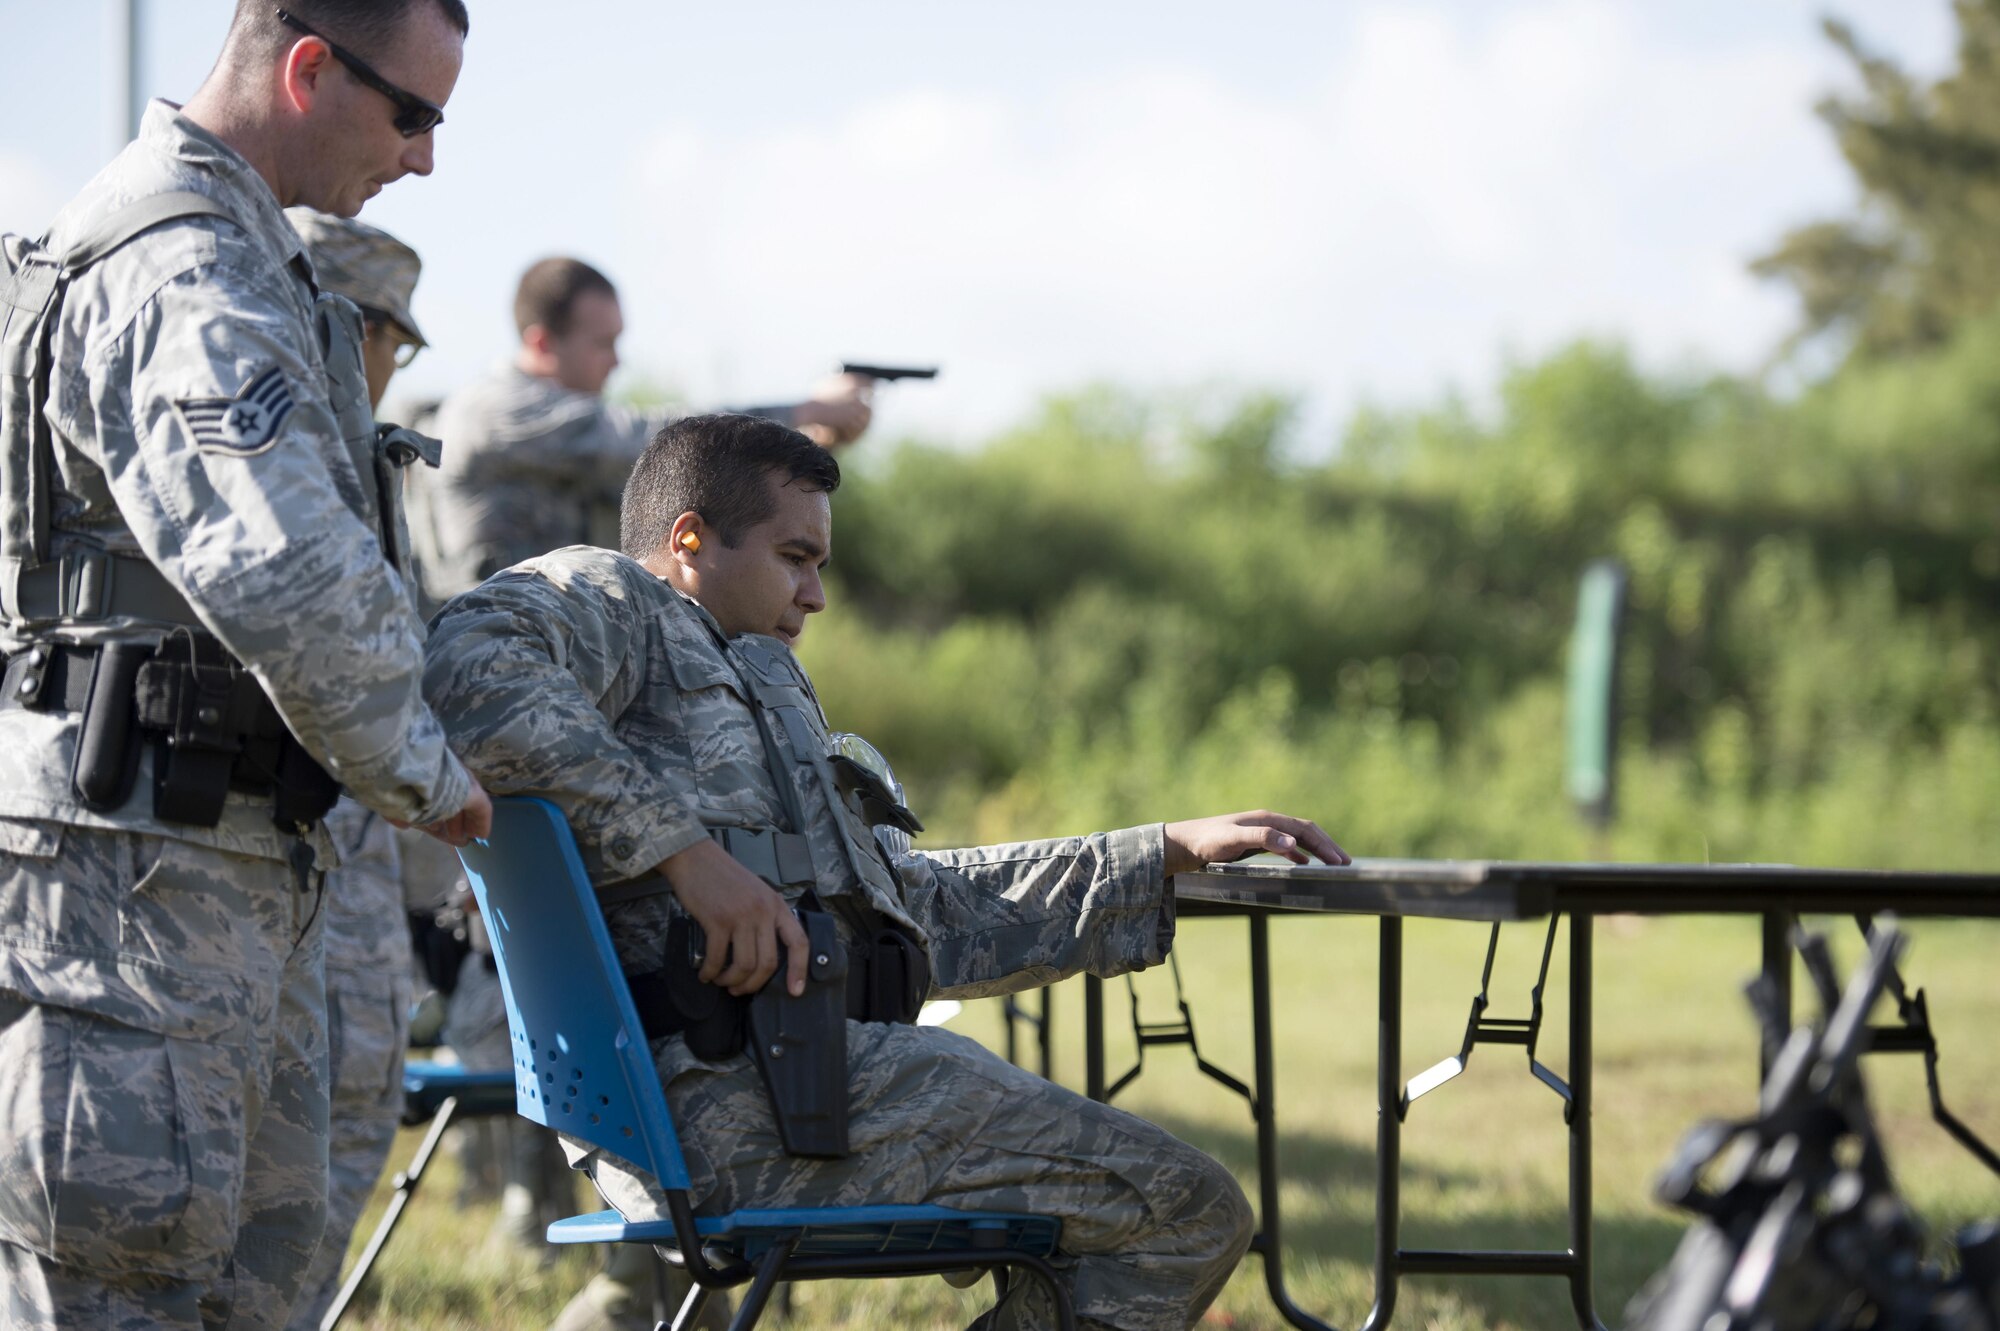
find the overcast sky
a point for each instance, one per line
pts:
(1352, 199)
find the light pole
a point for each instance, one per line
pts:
(126, 55)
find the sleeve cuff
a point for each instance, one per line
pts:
(1138, 857)
(449, 794)
(637, 842)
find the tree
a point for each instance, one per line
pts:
(1923, 255)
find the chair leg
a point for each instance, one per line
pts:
(658, 1270)
(768, 1269)
(406, 1188)
(691, 1307)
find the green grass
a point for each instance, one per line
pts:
(1484, 1158)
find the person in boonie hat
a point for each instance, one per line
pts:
(378, 273)
(368, 975)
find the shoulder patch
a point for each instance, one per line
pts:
(245, 424)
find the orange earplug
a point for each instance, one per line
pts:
(690, 542)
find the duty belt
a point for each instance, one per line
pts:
(888, 974)
(92, 584)
(782, 859)
(212, 727)
(887, 983)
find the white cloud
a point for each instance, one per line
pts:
(1443, 190)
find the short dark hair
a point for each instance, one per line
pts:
(368, 27)
(721, 467)
(550, 289)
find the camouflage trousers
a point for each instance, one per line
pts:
(368, 1027)
(162, 1081)
(1152, 1228)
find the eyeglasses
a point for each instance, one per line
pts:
(373, 320)
(414, 115)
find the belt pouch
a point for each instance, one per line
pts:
(800, 1045)
(106, 764)
(305, 791)
(899, 978)
(192, 703)
(711, 1017)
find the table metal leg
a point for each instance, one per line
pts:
(1581, 1296)
(1392, 1261)
(1093, 1037)
(1045, 1034)
(1014, 1014)
(1573, 1264)
(1268, 1242)
(1389, 1120)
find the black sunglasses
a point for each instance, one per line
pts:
(414, 115)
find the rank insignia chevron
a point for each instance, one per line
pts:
(245, 424)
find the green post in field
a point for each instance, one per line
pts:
(1592, 710)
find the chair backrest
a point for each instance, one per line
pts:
(581, 1064)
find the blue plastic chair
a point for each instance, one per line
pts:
(583, 1067)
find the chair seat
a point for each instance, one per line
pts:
(826, 1231)
(426, 1086)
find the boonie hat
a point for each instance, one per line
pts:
(368, 266)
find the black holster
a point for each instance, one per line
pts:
(190, 699)
(800, 1044)
(441, 946)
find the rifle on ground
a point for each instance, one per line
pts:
(1800, 1227)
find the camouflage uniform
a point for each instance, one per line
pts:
(368, 992)
(368, 973)
(529, 467)
(583, 678)
(162, 1007)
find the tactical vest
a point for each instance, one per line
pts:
(828, 848)
(213, 728)
(816, 786)
(33, 283)
(832, 805)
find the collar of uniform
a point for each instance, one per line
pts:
(245, 193)
(701, 614)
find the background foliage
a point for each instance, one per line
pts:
(1130, 610)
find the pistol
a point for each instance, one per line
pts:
(888, 373)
